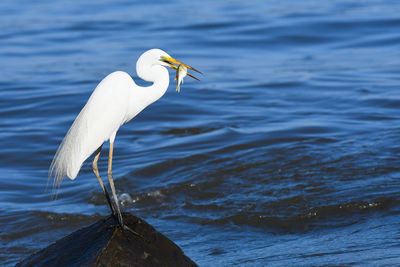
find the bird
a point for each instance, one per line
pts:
(116, 100)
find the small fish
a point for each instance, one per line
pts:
(181, 72)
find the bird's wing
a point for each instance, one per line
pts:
(100, 118)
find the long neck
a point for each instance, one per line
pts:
(142, 96)
(160, 84)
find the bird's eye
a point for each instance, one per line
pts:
(164, 59)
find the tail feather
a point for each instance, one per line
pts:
(69, 157)
(61, 164)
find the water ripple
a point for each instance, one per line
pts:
(289, 143)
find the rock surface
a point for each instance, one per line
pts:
(105, 244)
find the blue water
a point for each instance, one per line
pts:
(286, 153)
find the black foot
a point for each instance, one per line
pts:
(126, 228)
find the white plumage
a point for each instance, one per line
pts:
(115, 101)
(97, 122)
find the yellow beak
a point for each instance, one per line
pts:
(171, 61)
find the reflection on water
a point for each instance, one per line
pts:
(288, 145)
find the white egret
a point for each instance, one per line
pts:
(115, 101)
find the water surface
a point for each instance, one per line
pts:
(286, 153)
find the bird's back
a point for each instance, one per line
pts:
(100, 118)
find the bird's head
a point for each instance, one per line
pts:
(160, 57)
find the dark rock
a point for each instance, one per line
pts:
(105, 244)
